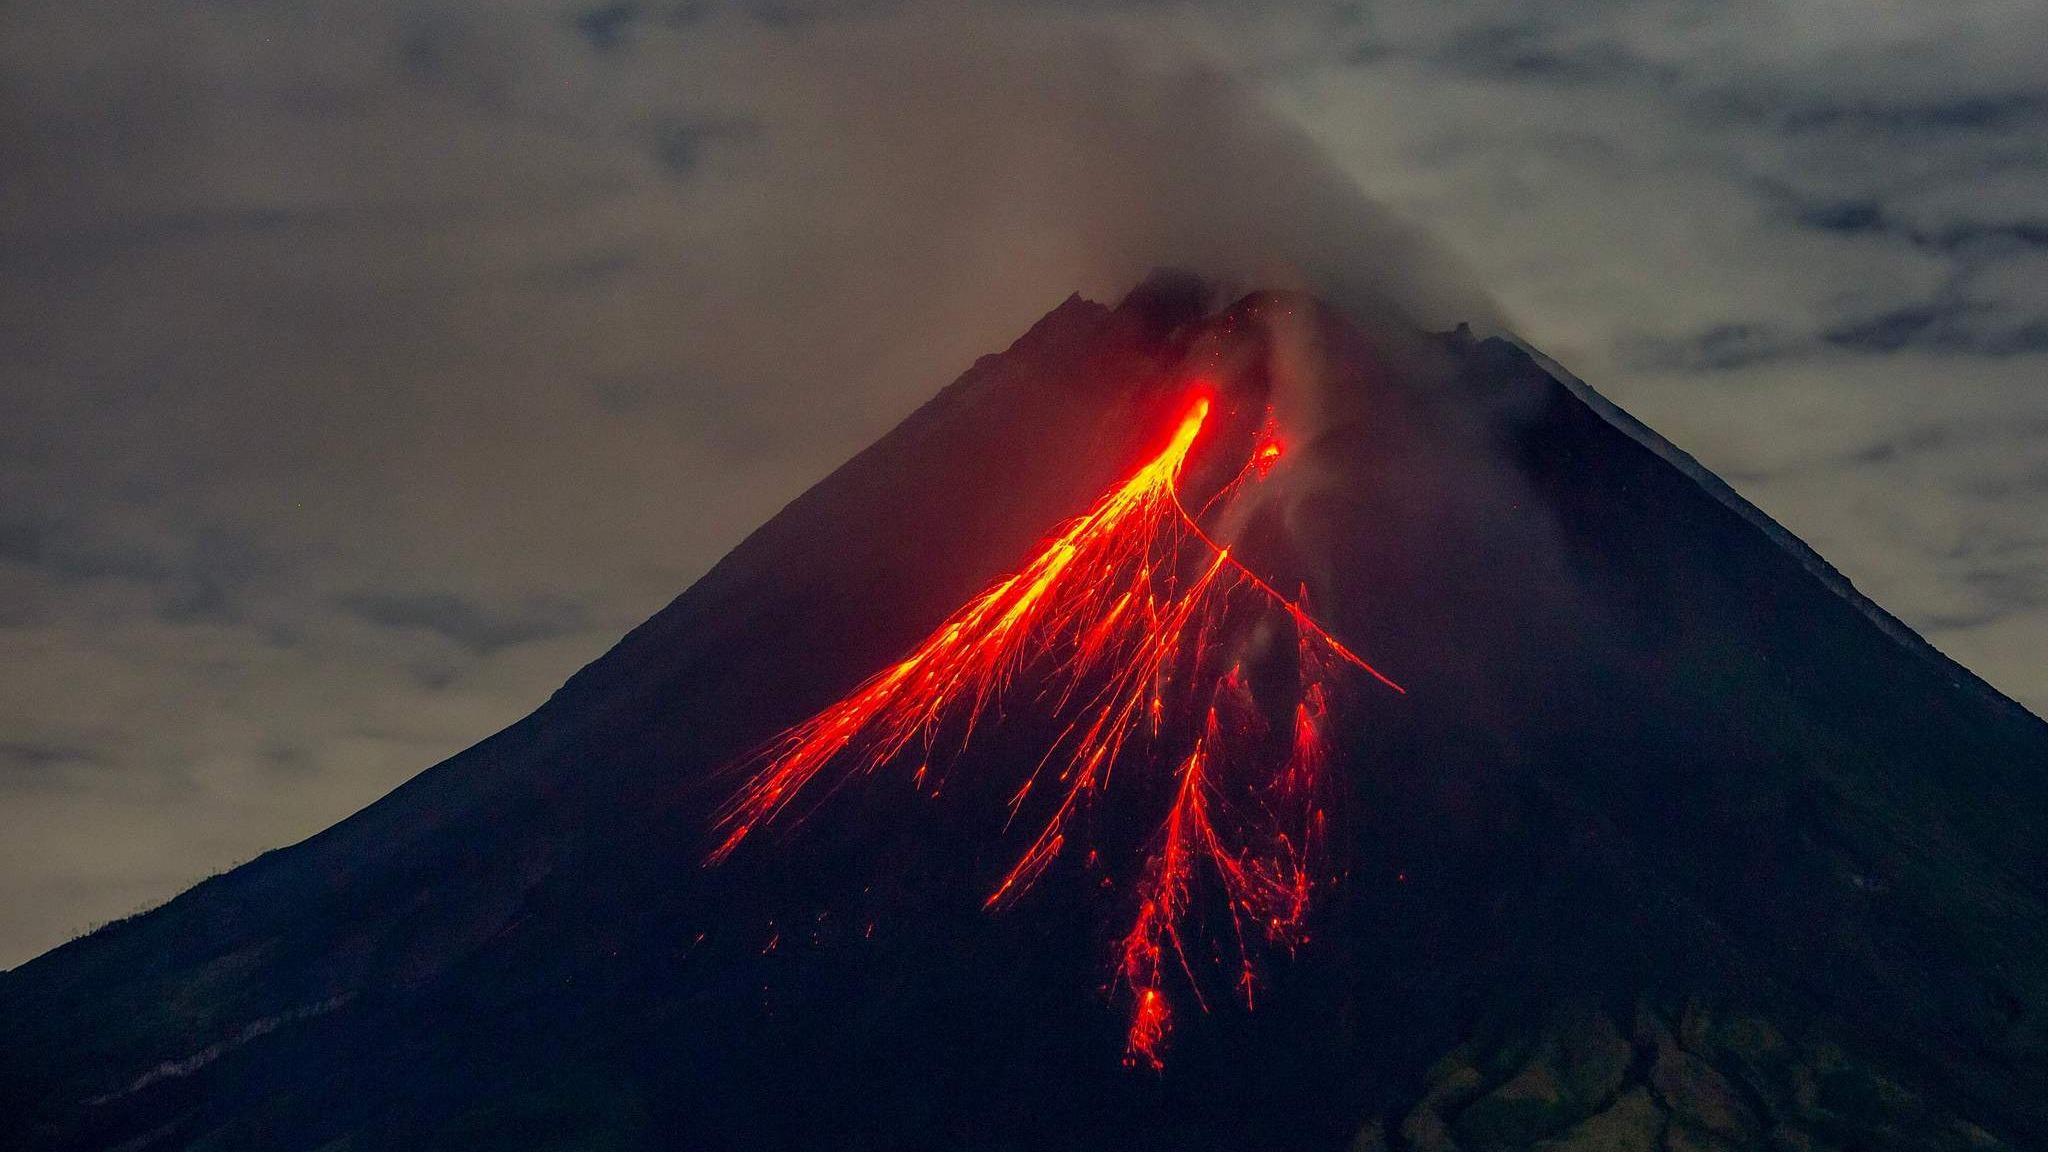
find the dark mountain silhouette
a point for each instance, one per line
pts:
(1675, 840)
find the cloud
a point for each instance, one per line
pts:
(1540, 52)
(1888, 120)
(1868, 217)
(608, 26)
(683, 147)
(481, 628)
(36, 764)
(1716, 348)
(1959, 326)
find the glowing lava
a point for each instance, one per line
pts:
(1130, 623)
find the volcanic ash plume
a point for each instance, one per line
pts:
(949, 176)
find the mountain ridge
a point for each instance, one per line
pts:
(1721, 490)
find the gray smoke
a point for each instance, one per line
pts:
(1035, 152)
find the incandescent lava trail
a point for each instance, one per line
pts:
(1127, 626)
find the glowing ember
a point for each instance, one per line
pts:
(1130, 623)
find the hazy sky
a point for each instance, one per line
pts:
(366, 368)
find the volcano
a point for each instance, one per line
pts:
(1206, 724)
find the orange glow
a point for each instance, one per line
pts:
(1268, 453)
(1122, 620)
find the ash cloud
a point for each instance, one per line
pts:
(1103, 158)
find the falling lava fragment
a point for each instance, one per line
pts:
(1127, 627)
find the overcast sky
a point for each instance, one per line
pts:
(366, 368)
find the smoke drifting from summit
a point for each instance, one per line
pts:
(1031, 154)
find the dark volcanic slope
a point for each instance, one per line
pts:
(1674, 842)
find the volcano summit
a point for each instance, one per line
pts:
(1203, 725)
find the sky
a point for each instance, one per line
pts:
(365, 369)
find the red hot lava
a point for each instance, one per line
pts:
(1128, 622)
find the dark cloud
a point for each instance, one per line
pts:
(1717, 348)
(1931, 437)
(781, 16)
(2000, 592)
(37, 758)
(2027, 483)
(1978, 112)
(289, 758)
(1977, 239)
(683, 146)
(202, 224)
(1850, 217)
(608, 27)
(1946, 325)
(481, 628)
(1542, 53)
(190, 578)
(585, 271)
(1953, 326)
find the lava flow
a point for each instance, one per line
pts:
(1130, 624)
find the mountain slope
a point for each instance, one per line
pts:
(1670, 843)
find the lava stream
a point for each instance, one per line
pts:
(1124, 633)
